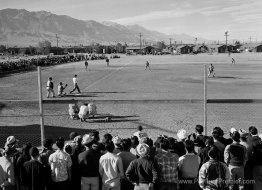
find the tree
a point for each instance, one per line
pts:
(2, 48)
(44, 47)
(161, 45)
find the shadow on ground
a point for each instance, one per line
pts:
(32, 133)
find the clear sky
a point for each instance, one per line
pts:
(199, 18)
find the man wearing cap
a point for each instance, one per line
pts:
(33, 172)
(111, 168)
(89, 165)
(235, 157)
(142, 172)
(7, 177)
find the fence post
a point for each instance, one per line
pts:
(41, 106)
(205, 98)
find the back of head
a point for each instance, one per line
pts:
(107, 137)
(48, 143)
(147, 141)
(253, 130)
(209, 141)
(126, 144)
(164, 144)
(34, 152)
(75, 75)
(25, 149)
(60, 142)
(213, 153)
(199, 129)
(109, 146)
(139, 128)
(190, 146)
(96, 135)
(72, 135)
(134, 141)
(216, 133)
(235, 136)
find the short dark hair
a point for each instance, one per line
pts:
(48, 143)
(235, 136)
(134, 141)
(139, 128)
(213, 153)
(68, 149)
(26, 148)
(60, 142)
(50, 78)
(95, 134)
(164, 144)
(190, 146)
(109, 146)
(209, 141)
(72, 135)
(75, 75)
(107, 137)
(199, 128)
(253, 130)
(126, 144)
(34, 152)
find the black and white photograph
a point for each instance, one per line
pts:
(130, 95)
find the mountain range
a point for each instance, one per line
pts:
(22, 28)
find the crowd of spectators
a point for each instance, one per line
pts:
(190, 162)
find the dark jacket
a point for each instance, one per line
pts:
(142, 170)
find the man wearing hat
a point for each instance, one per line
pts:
(7, 177)
(235, 157)
(180, 145)
(89, 164)
(142, 172)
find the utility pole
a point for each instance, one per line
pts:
(57, 39)
(140, 35)
(226, 34)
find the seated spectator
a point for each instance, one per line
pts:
(180, 146)
(126, 157)
(189, 165)
(73, 111)
(139, 134)
(213, 174)
(142, 172)
(111, 168)
(34, 173)
(235, 157)
(83, 112)
(168, 167)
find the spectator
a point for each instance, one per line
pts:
(134, 143)
(24, 157)
(72, 139)
(117, 143)
(44, 157)
(199, 138)
(142, 172)
(168, 166)
(7, 177)
(180, 146)
(213, 174)
(257, 166)
(111, 168)
(235, 157)
(33, 172)
(126, 157)
(255, 139)
(139, 134)
(61, 164)
(216, 133)
(89, 165)
(189, 165)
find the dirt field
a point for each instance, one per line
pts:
(163, 100)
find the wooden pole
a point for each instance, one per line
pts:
(205, 99)
(41, 106)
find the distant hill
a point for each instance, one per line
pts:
(21, 27)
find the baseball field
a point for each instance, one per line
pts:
(164, 99)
